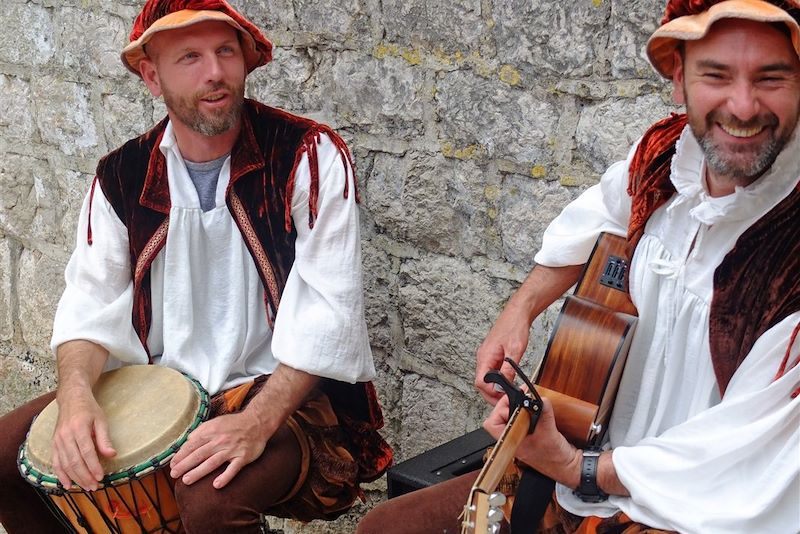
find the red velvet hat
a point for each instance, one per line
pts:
(161, 15)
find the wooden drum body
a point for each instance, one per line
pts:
(150, 411)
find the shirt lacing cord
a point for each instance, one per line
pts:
(670, 269)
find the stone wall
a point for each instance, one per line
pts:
(472, 123)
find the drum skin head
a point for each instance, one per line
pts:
(148, 407)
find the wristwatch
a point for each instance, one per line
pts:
(588, 490)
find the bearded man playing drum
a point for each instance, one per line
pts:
(705, 433)
(223, 243)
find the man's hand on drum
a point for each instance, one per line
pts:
(237, 439)
(81, 434)
(507, 338)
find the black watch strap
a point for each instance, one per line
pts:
(588, 490)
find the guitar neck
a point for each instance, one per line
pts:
(476, 511)
(503, 452)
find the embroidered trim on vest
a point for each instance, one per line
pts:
(143, 262)
(150, 251)
(259, 255)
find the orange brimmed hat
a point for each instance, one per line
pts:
(690, 20)
(161, 15)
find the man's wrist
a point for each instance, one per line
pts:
(588, 489)
(263, 421)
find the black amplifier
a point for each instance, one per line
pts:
(449, 460)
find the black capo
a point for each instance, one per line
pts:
(516, 397)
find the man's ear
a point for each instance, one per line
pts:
(150, 76)
(678, 78)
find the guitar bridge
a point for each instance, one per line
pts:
(615, 272)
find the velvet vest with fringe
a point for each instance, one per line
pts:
(264, 160)
(757, 285)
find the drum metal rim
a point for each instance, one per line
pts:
(50, 484)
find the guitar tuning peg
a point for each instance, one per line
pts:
(497, 499)
(495, 516)
(494, 529)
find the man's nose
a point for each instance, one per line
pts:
(743, 102)
(214, 69)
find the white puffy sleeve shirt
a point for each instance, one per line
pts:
(692, 461)
(209, 314)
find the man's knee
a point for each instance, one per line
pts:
(376, 520)
(205, 509)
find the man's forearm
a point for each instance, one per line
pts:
(607, 478)
(80, 363)
(542, 287)
(280, 397)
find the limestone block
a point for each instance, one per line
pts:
(447, 311)
(65, 116)
(8, 260)
(267, 14)
(27, 186)
(73, 188)
(527, 207)
(437, 204)
(126, 116)
(159, 111)
(542, 37)
(36, 205)
(632, 24)
(498, 120)
(333, 18)
(16, 116)
(449, 27)
(28, 31)
(606, 130)
(95, 49)
(388, 382)
(289, 82)
(432, 415)
(23, 376)
(41, 282)
(380, 295)
(388, 94)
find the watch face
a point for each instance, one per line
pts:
(591, 498)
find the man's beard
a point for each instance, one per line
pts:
(739, 164)
(187, 110)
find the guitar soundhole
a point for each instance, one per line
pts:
(614, 274)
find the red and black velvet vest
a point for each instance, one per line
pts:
(758, 282)
(263, 163)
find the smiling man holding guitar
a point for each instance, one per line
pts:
(705, 431)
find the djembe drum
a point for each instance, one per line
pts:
(150, 411)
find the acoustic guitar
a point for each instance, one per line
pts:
(580, 374)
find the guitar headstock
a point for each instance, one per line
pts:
(483, 514)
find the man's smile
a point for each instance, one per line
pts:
(742, 133)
